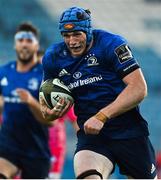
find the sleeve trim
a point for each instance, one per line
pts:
(128, 70)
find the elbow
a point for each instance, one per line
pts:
(143, 92)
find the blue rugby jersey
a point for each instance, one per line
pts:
(20, 131)
(95, 80)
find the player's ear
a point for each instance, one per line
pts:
(37, 46)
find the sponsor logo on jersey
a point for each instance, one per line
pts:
(77, 75)
(33, 84)
(4, 81)
(123, 53)
(86, 81)
(63, 72)
(14, 98)
(129, 67)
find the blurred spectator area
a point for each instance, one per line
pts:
(12, 13)
(137, 20)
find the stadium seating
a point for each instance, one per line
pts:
(16, 11)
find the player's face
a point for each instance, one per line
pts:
(76, 42)
(26, 48)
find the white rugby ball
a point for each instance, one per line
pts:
(52, 90)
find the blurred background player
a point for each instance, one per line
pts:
(23, 137)
(57, 138)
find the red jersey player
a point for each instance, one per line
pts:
(57, 143)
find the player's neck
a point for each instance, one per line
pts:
(21, 67)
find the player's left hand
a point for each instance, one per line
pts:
(24, 95)
(93, 125)
(58, 110)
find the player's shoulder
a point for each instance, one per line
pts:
(6, 69)
(8, 66)
(54, 52)
(54, 49)
(107, 38)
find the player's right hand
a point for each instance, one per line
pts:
(58, 110)
(93, 126)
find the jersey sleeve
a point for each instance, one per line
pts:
(49, 69)
(122, 58)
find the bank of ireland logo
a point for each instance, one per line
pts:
(77, 75)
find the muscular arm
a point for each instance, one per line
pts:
(130, 97)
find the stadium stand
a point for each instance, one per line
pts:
(16, 11)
